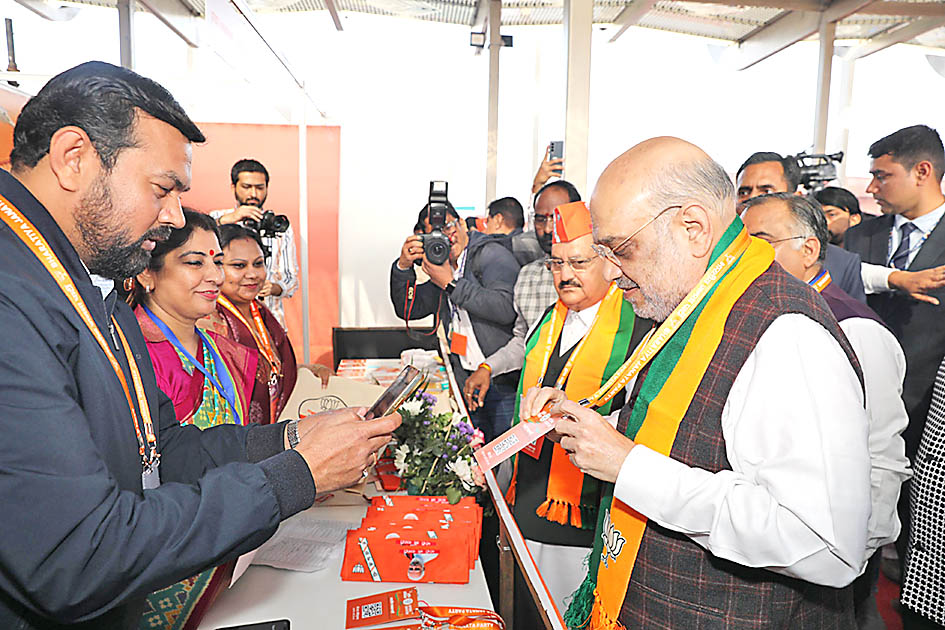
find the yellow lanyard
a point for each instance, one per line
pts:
(657, 338)
(258, 330)
(35, 242)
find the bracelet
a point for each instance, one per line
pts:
(487, 366)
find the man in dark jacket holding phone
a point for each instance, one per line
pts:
(471, 293)
(106, 496)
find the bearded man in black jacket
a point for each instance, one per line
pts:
(106, 497)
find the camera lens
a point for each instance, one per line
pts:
(436, 247)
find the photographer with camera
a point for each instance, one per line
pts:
(472, 276)
(250, 182)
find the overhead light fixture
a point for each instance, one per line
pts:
(478, 40)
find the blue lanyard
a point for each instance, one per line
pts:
(227, 389)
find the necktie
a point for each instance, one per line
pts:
(900, 258)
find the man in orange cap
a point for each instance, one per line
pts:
(554, 504)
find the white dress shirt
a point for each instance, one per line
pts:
(884, 367)
(926, 223)
(797, 500)
(511, 356)
(460, 323)
(576, 325)
(875, 277)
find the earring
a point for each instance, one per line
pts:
(128, 285)
(147, 289)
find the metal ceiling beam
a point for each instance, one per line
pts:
(880, 7)
(333, 11)
(783, 31)
(45, 10)
(126, 33)
(895, 7)
(630, 15)
(786, 30)
(840, 9)
(894, 36)
(176, 16)
(481, 16)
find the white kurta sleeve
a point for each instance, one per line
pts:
(797, 499)
(884, 367)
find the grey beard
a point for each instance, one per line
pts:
(655, 307)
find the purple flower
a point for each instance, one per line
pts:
(455, 448)
(444, 456)
(429, 399)
(426, 422)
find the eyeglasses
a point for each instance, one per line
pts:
(450, 225)
(781, 240)
(613, 254)
(541, 219)
(555, 265)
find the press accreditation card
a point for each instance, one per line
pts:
(514, 440)
(151, 476)
(382, 608)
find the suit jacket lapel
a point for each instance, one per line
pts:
(879, 241)
(932, 252)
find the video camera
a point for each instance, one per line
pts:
(436, 245)
(817, 169)
(269, 226)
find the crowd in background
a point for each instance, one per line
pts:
(886, 279)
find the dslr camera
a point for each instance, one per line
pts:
(270, 225)
(436, 245)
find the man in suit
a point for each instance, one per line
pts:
(907, 169)
(767, 172)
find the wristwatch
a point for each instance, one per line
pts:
(449, 288)
(292, 433)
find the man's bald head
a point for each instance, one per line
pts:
(662, 172)
(690, 200)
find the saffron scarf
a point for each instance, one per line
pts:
(663, 400)
(572, 497)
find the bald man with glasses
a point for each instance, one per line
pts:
(736, 483)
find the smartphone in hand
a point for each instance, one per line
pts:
(404, 386)
(557, 150)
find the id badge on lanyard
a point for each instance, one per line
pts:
(151, 474)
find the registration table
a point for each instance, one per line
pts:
(317, 600)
